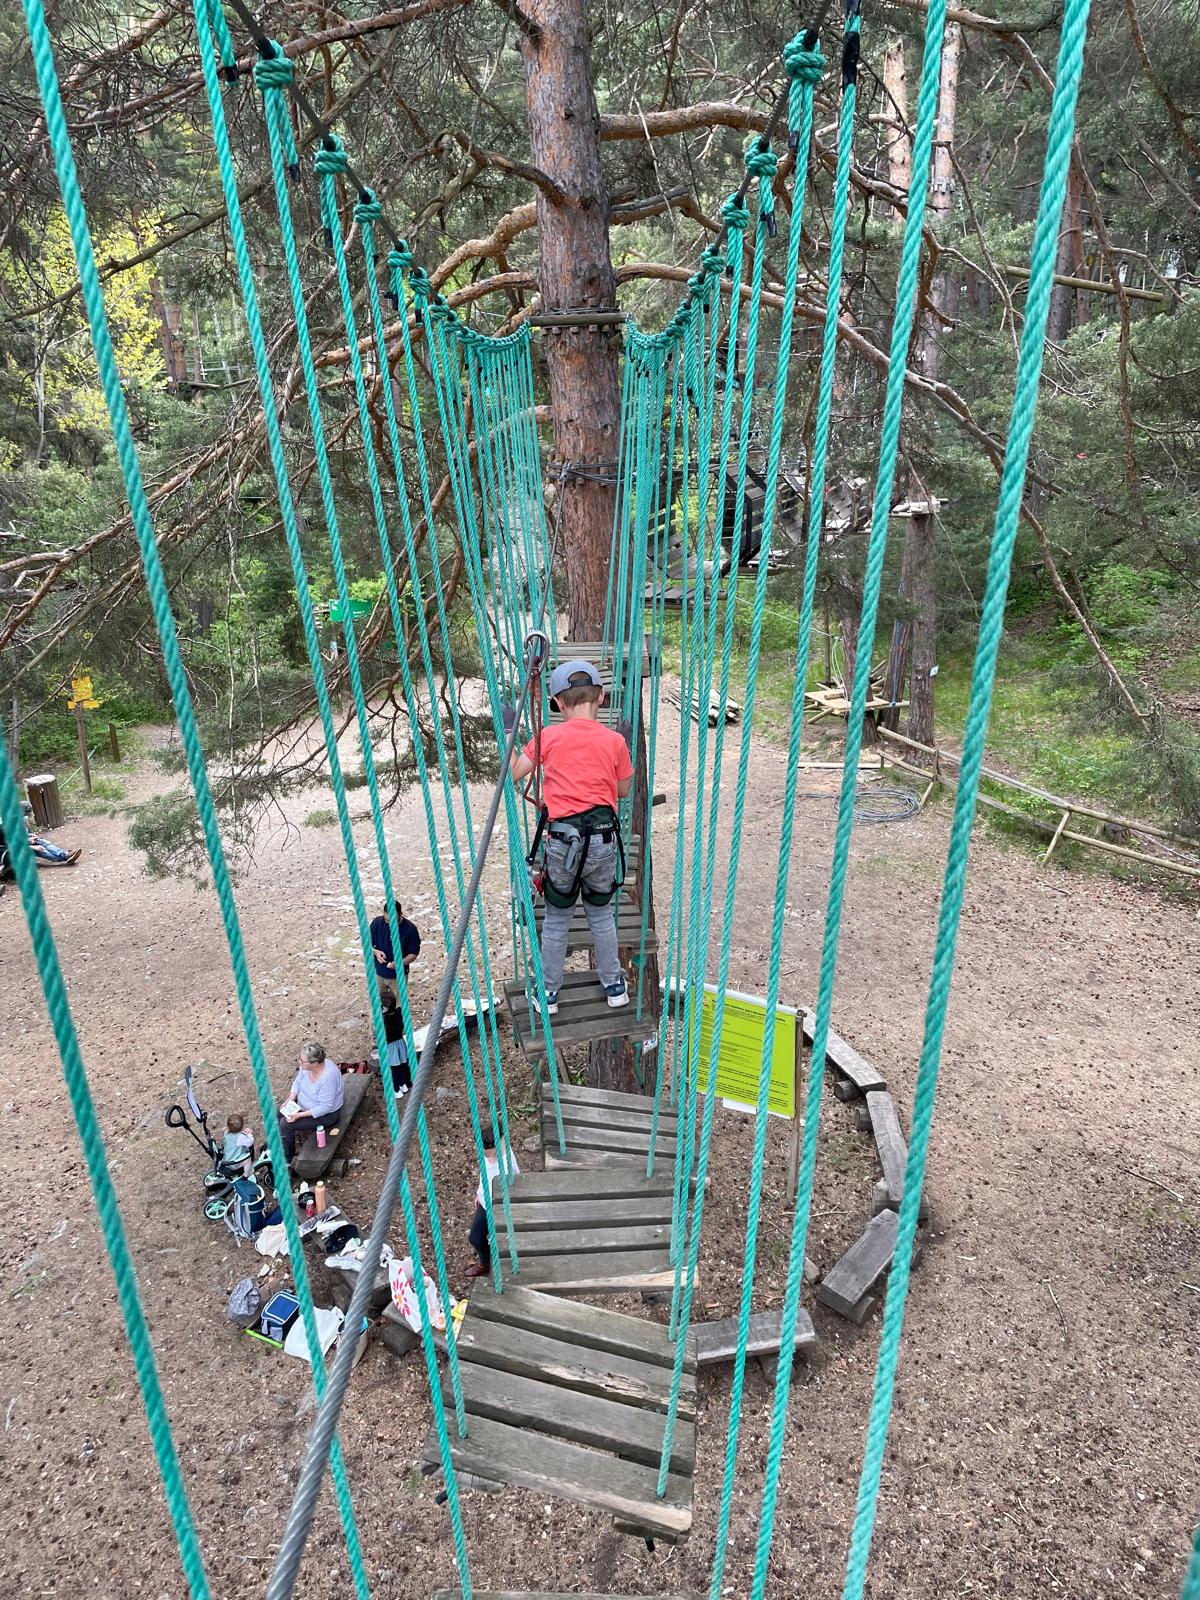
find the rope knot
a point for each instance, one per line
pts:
(330, 160)
(418, 280)
(367, 208)
(805, 66)
(761, 163)
(275, 72)
(401, 258)
(734, 215)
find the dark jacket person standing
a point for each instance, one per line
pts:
(381, 944)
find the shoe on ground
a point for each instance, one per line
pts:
(617, 994)
(477, 1270)
(551, 1003)
(401, 1091)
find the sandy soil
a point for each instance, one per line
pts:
(1045, 1431)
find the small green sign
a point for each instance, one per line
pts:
(740, 1061)
(358, 608)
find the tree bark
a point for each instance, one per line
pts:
(918, 565)
(575, 271)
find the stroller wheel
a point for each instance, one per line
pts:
(214, 1210)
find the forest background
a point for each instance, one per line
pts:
(1099, 688)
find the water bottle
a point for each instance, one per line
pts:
(320, 1136)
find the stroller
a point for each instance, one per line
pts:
(224, 1182)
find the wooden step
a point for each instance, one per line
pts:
(852, 1284)
(537, 1355)
(583, 1016)
(501, 1452)
(631, 1432)
(591, 1327)
(647, 1210)
(570, 1400)
(621, 1184)
(609, 1272)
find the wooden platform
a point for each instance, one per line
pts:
(603, 1128)
(570, 1400)
(311, 1161)
(601, 656)
(629, 927)
(610, 1235)
(583, 1015)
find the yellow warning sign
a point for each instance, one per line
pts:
(743, 1035)
(81, 695)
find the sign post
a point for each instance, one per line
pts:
(83, 700)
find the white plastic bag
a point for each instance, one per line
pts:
(404, 1296)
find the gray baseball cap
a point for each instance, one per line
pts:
(560, 678)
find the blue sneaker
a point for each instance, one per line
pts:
(616, 993)
(551, 1003)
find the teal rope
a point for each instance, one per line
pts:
(83, 1108)
(737, 219)
(1191, 1581)
(1008, 513)
(816, 510)
(160, 604)
(805, 68)
(761, 164)
(275, 74)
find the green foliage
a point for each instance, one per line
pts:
(320, 819)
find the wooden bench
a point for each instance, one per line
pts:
(312, 1162)
(717, 1341)
(851, 1285)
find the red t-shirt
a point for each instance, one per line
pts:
(582, 763)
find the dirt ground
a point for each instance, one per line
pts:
(1044, 1440)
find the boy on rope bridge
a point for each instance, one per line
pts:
(585, 768)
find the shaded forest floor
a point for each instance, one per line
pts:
(1028, 1453)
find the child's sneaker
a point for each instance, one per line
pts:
(616, 993)
(551, 1003)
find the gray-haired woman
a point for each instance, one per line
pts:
(316, 1096)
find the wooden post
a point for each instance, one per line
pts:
(83, 749)
(1066, 817)
(793, 1164)
(113, 744)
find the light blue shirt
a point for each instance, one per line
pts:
(322, 1096)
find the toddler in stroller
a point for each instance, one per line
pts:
(235, 1172)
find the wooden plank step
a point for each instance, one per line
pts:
(551, 1466)
(594, 1118)
(845, 1059)
(630, 1432)
(717, 1341)
(848, 1287)
(629, 926)
(608, 1116)
(532, 1242)
(570, 1366)
(607, 1272)
(622, 1183)
(579, 1019)
(577, 1157)
(605, 1097)
(593, 1328)
(650, 1210)
(623, 1141)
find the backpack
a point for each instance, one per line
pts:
(247, 1210)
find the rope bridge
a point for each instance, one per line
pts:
(539, 1388)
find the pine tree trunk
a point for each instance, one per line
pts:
(920, 580)
(575, 271)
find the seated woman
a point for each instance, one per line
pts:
(316, 1094)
